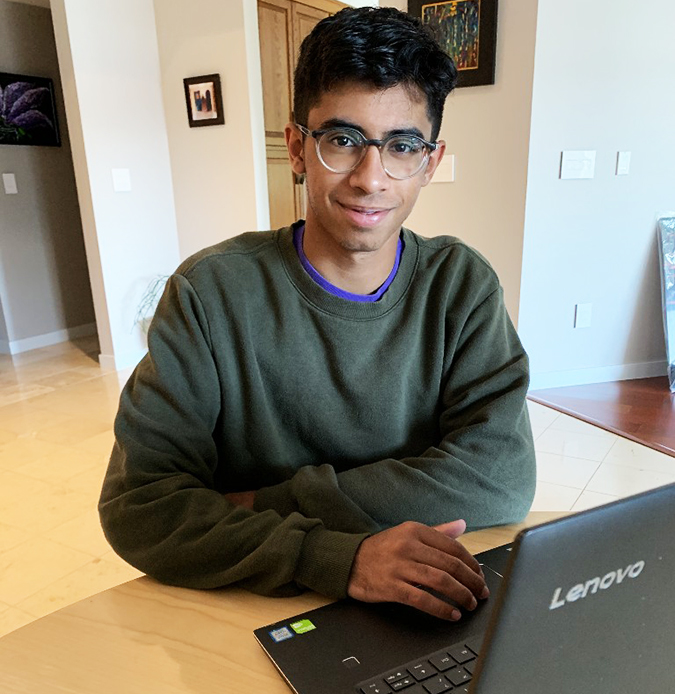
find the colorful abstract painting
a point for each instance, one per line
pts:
(467, 32)
(457, 24)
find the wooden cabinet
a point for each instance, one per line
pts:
(283, 24)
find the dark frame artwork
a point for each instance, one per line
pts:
(204, 100)
(467, 30)
(28, 111)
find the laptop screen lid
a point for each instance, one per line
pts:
(588, 604)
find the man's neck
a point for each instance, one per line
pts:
(357, 272)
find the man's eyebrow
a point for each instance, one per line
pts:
(341, 123)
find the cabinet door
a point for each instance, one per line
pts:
(282, 187)
(275, 27)
(305, 18)
(282, 25)
(276, 62)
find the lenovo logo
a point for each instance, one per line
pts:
(581, 590)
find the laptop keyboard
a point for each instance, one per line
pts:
(449, 670)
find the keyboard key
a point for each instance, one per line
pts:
(458, 676)
(436, 685)
(441, 661)
(402, 684)
(375, 688)
(470, 666)
(475, 643)
(420, 671)
(395, 676)
(460, 653)
(457, 663)
(415, 689)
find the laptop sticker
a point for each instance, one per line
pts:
(281, 634)
(302, 626)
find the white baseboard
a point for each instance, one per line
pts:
(120, 362)
(46, 340)
(620, 372)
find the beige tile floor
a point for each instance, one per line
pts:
(56, 414)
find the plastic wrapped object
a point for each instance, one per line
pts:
(666, 231)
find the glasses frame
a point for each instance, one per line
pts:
(318, 134)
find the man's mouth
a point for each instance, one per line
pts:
(365, 216)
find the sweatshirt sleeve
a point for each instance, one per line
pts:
(159, 508)
(483, 467)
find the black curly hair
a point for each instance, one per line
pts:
(379, 46)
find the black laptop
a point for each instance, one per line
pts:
(581, 605)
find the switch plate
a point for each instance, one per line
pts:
(121, 180)
(445, 171)
(577, 164)
(583, 314)
(9, 181)
(622, 163)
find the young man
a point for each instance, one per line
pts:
(322, 402)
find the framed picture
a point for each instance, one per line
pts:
(204, 100)
(27, 111)
(467, 31)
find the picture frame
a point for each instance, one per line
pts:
(467, 31)
(28, 111)
(204, 100)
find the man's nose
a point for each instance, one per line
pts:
(370, 175)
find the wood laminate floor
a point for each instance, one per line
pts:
(641, 410)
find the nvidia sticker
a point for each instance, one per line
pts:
(303, 626)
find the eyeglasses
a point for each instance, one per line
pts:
(341, 150)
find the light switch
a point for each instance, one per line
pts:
(445, 171)
(121, 180)
(622, 163)
(583, 315)
(577, 164)
(9, 181)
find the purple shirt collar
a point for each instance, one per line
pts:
(298, 234)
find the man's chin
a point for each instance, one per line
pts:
(367, 240)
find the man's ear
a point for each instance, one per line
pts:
(296, 150)
(434, 160)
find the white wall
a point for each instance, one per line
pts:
(219, 171)
(110, 68)
(44, 283)
(487, 129)
(603, 81)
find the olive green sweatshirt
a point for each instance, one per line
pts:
(347, 417)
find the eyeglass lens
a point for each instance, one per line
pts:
(402, 156)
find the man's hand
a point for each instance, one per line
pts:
(244, 499)
(396, 565)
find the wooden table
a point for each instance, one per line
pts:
(146, 638)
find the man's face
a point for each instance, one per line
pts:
(363, 210)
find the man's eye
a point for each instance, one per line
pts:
(341, 140)
(407, 145)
